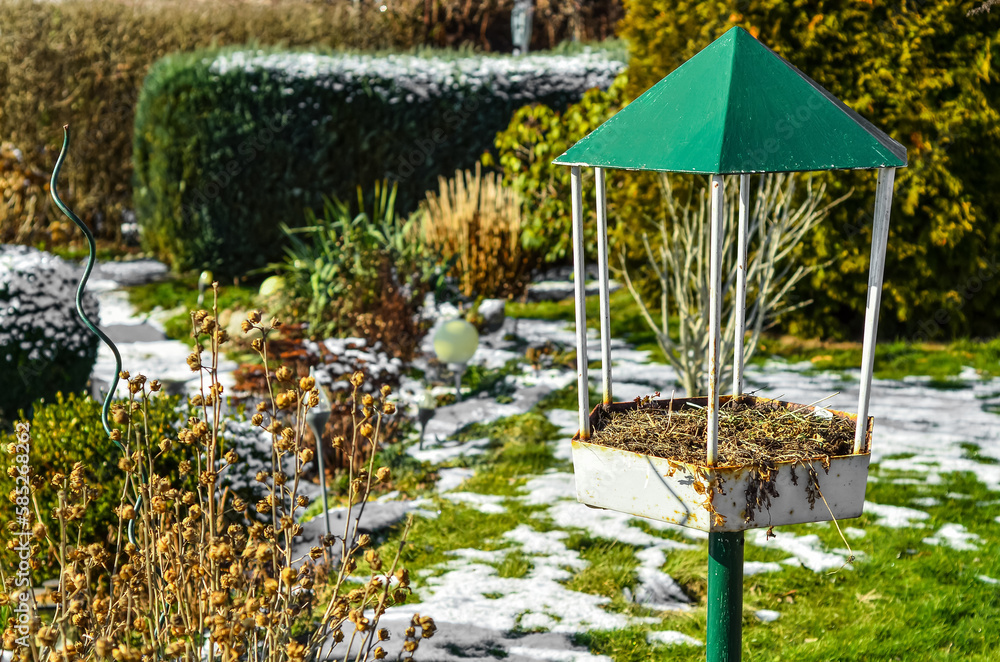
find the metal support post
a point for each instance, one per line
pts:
(740, 304)
(718, 194)
(580, 289)
(880, 236)
(602, 267)
(725, 597)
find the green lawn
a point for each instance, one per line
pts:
(903, 599)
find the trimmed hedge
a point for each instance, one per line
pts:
(230, 144)
(82, 62)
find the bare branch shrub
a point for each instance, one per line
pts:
(678, 260)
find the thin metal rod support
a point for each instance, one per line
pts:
(714, 316)
(880, 237)
(740, 304)
(580, 290)
(605, 293)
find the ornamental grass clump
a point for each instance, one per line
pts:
(474, 221)
(197, 573)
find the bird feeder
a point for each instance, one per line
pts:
(735, 108)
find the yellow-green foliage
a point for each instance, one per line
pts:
(525, 149)
(69, 430)
(923, 72)
(475, 222)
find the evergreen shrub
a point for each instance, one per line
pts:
(229, 145)
(44, 347)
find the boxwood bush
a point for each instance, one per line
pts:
(230, 144)
(44, 347)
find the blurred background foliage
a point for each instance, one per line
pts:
(922, 71)
(84, 62)
(359, 274)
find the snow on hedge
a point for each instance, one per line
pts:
(409, 78)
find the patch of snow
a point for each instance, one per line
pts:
(549, 488)
(553, 655)
(767, 615)
(546, 543)
(450, 478)
(568, 423)
(376, 516)
(957, 496)
(626, 391)
(987, 580)
(806, 550)
(672, 638)
(115, 306)
(447, 450)
(854, 533)
(489, 504)
(955, 536)
(601, 523)
(165, 360)
(657, 590)
(896, 517)
(653, 376)
(494, 556)
(130, 272)
(450, 419)
(751, 568)
(926, 502)
(459, 596)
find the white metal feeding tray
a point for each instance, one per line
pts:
(720, 497)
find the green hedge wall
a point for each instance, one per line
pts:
(230, 144)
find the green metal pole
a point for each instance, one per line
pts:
(725, 597)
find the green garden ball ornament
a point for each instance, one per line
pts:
(272, 285)
(456, 341)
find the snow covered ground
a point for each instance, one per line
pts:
(480, 615)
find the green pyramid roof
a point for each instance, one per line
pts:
(736, 107)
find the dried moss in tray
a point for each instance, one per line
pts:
(752, 432)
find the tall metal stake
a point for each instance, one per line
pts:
(740, 305)
(725, 550)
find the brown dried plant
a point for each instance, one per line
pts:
(475, 221)
(24, 201)
(199, 574)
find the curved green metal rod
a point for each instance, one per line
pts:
(83, 315)
(83, 284)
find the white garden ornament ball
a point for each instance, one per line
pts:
(272, 285)
(456, 341)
